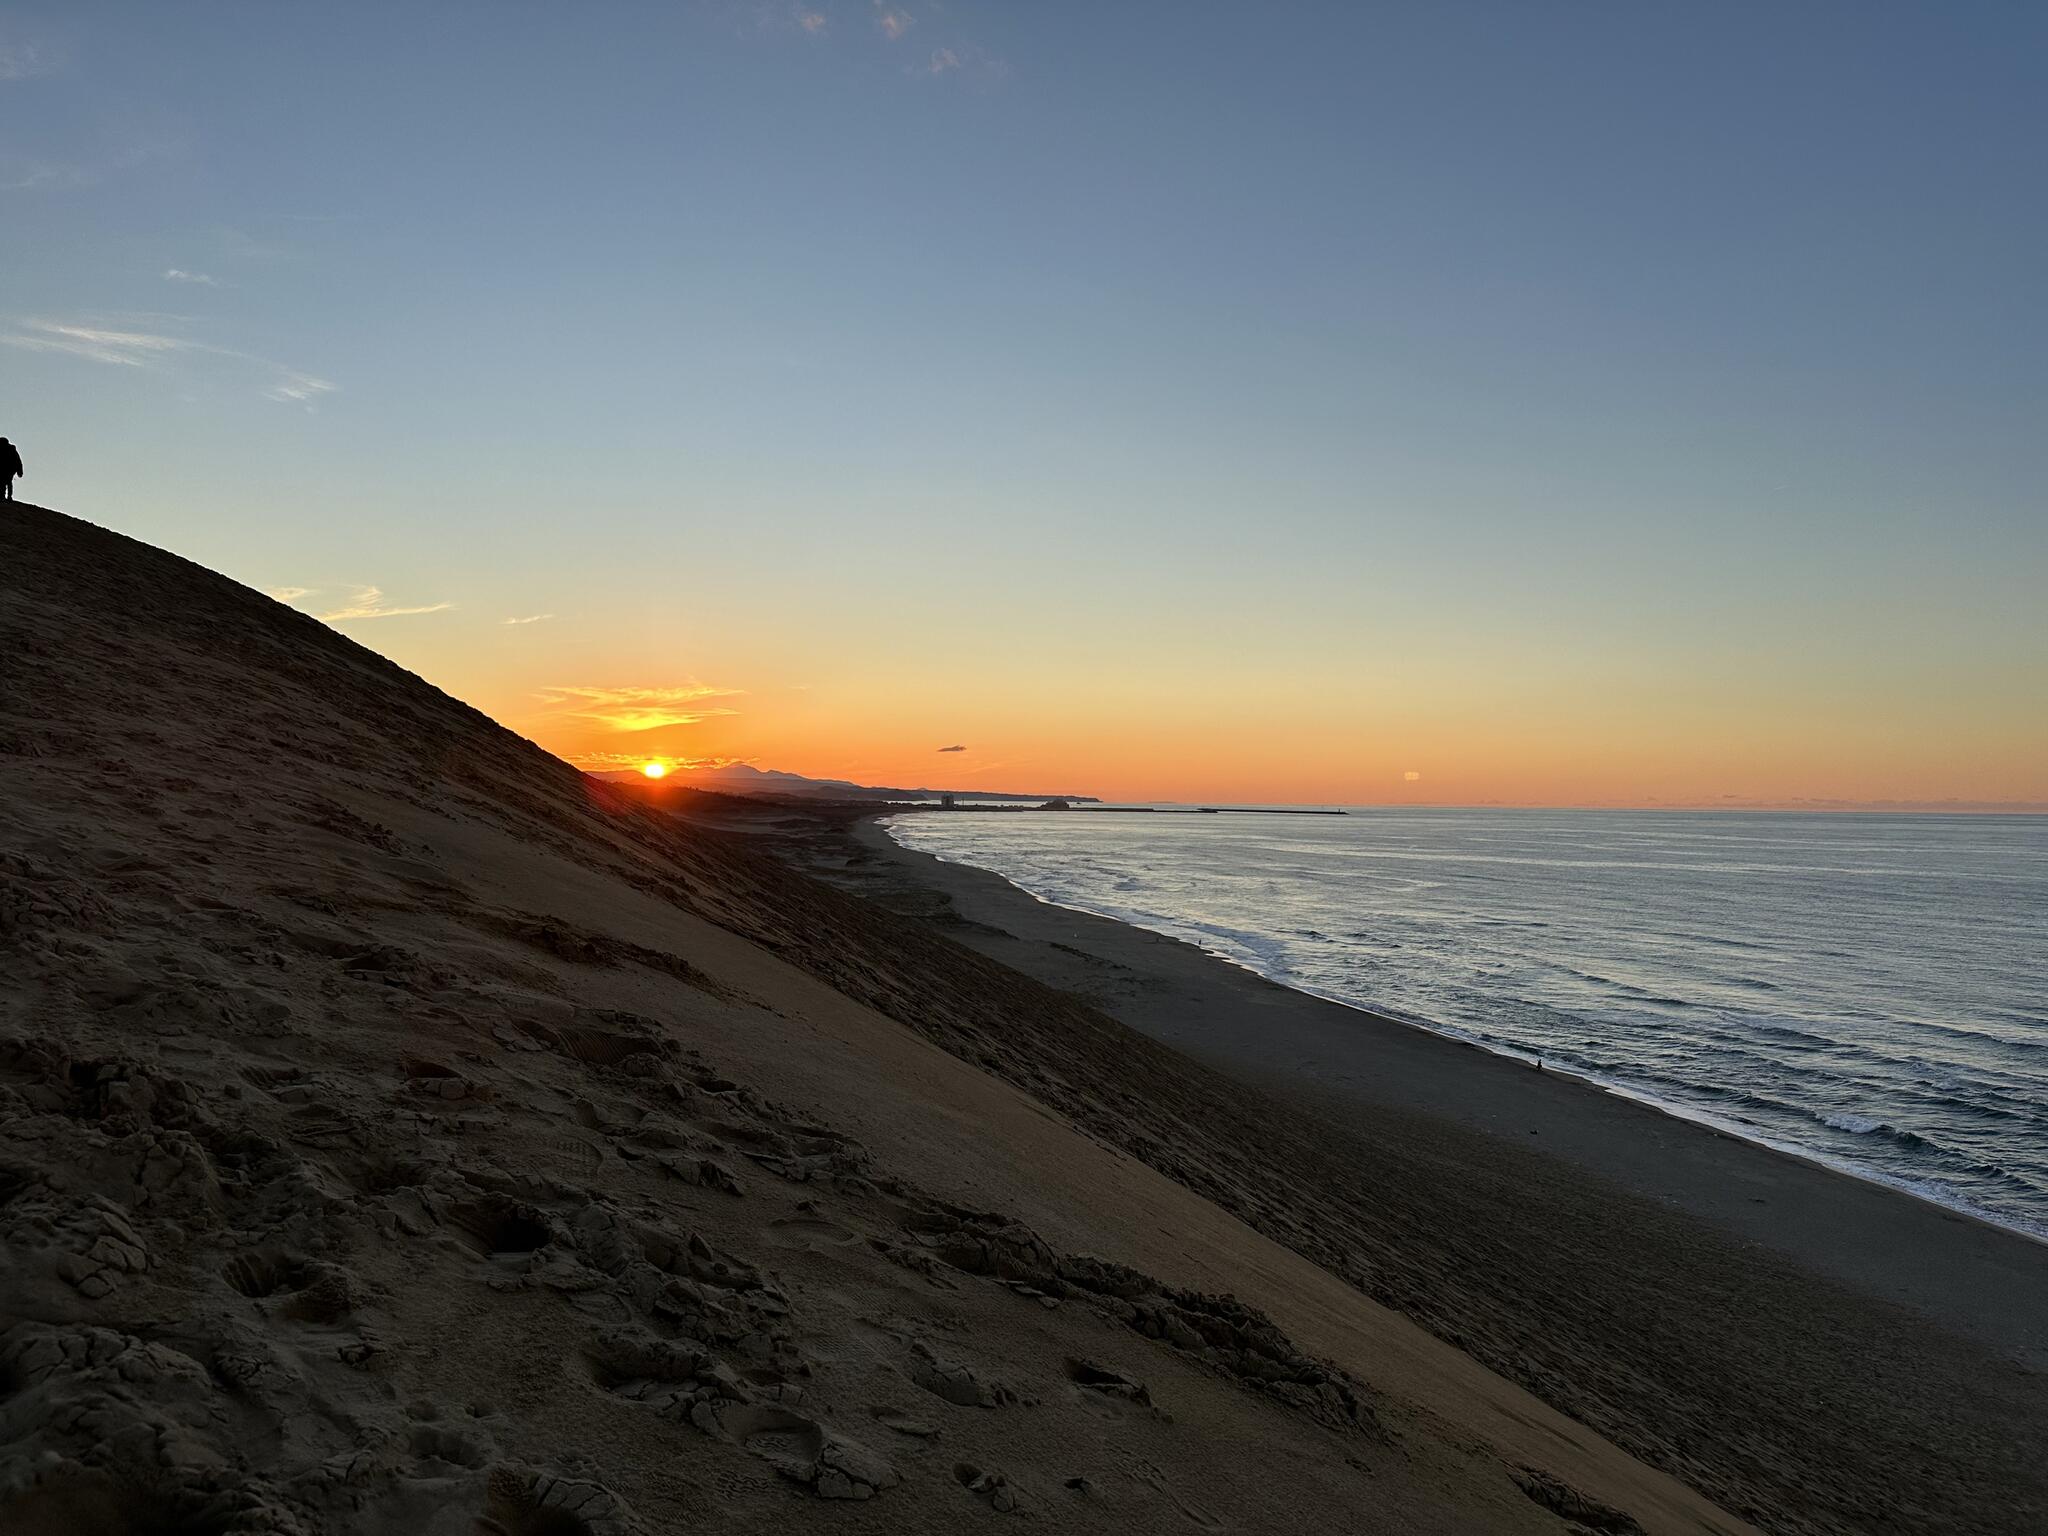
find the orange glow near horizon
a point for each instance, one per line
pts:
(1460, 722)
(1636, 752)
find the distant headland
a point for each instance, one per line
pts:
(741, 779)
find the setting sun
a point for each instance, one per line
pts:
(654, 770)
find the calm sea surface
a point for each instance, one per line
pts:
(1871, 991)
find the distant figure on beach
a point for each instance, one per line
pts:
(10, 466)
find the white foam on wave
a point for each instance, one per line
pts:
(1268, 955)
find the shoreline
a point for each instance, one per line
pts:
(405, 1103)
(1668, 1108)
(445, 1048)
(1955, 1269)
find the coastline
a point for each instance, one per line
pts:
(1964, 1275)
(1380, 1016)
(1812, 1352)
(405, 1102)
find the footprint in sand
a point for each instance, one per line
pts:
(434, 1442)
(583, 1158)
(805, 1452)
(495, 1228)
(520, 1502)
(1106, 1392)
(810, 1233)
(903, 1423)
(993, 1488)
(293, 1289)
(956, 1383)
(1149, 1476)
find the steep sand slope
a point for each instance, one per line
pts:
(1813, 1351)
(397, 1131)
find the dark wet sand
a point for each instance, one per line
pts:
(1813, 1353)
(1965, 1275)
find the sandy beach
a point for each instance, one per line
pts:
(401, 1130)
(894, 767)
(1808, 1345)
(1968, 1277)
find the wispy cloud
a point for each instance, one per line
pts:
(532, 618)
(126, 349)
(297, 388)
(363, 603)
(368, 603)
(239, 245)
(952, 749)
(1411, 776)
(124, 346)
(805, 16)
(25, 172)
(597, 762)
(895, 20)
(179, 275)
(961, 58)
(640, 709)
(22, 175)
(24, 61)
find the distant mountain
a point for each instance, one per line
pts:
(740, 779)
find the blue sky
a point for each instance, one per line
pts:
(1086, 358)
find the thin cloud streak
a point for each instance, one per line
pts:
(17, 175)
(368, 603)
(895, 23)
(25, 173)
(125, 348)
(25, 61)
(639, 709)
(634, 721)
(680, 694)
(298, 388)
(963, 59)
(597, 761)
(532, 618)
(179, 275)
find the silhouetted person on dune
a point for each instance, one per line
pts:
(10, 466)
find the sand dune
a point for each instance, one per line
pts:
(400, 1131)
(1814, 1351)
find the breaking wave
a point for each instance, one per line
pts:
(1860, 996)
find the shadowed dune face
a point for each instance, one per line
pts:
(399, 1130)
(524, 1157)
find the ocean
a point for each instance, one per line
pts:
(1870, 991)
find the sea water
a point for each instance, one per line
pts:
(1867, 990)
